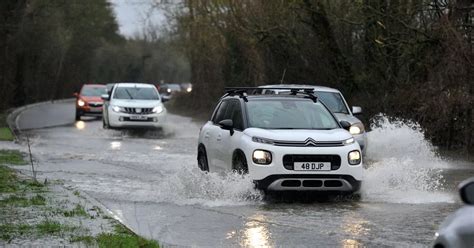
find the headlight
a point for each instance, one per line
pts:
(81, 103)
(348, 141)
(262, 140)
(158, 109)
(356, 128)
(117, 109)
(262, 157)
(354, 157)
(189, 89)
(168, 90)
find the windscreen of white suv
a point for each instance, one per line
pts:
(289, 114)
(136, 93)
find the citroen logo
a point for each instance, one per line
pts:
(139, 110)
(310, 142)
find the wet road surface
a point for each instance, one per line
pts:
(150, 180)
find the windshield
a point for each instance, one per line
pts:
(289, 114)
(333, 101)
(174, 86)
(136, 93)
(93, 91)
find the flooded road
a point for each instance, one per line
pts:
(150, 180)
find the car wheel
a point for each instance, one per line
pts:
(202, 159)
(239, 163)
(78, 115)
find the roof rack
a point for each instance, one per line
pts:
(243, 91)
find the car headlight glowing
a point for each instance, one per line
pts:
(168, 90)
(81, 103)
(262, 140)
(117, 109)
(158, 109)
(354, 157)
(348, 141)
(189, 89)
(356, 128)
(262, 157)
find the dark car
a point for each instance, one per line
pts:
(89, 101)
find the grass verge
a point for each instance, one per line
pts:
(5, 132)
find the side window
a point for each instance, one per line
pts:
(220, 113)
(235, 114)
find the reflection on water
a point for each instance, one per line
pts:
(80, 125)
(115, 145)
(356, 228)
(256, 233)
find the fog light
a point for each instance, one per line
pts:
(120, 118)
(354, 157)
(262, 157)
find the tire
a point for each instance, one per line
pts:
(202, 159)
(78, 115)
(239, 163)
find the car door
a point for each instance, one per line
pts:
(212, 135)
(227, 143)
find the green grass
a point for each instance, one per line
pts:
(15, 200)
(9, 231)
(11, 157)
(49, 227)
(6, 134)
(122, 237)
(77, 211)
(44, 228)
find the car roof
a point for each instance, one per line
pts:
(93, 85)
(315, 87)
(265, 97)
(140, 85)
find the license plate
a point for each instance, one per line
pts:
(312, 166)
(138, 117)
(96, 109)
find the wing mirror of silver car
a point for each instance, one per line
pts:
(356, 110)
(466, 189)
(104, 97)
(227, 124)
(345, 124)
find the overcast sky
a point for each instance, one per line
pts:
(133, 14)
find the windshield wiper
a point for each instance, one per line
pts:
(129, 95)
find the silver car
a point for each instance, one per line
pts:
(335, 101)
(457, 230)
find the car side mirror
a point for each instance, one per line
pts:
(227, 124)
(466, 189)
(105, 97)
(345, 124)
(164, 99)
(356, 110)
(75, 94)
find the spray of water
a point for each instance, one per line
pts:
(402, 165)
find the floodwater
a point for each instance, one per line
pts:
(150, 180)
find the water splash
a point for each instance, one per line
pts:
(403, 166)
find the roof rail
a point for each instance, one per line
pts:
(243, 91)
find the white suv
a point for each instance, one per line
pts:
(285, 142)
(133, 105)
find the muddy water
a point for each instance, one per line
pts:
(150, 180)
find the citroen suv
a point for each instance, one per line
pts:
(133, 105)
(284, 142)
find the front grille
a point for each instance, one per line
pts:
(288, 160)
(138, 111)
(95, 104)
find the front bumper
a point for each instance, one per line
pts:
(90, 111)
(309, 182)
(362, 140)
(118, 120)
(276, 176)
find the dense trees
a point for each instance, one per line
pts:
(409, 59)
(49, 48)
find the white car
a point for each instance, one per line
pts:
(458, 229)
(335, 101)
(284, 142)
(133, 105)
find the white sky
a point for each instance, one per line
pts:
(132, 15)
